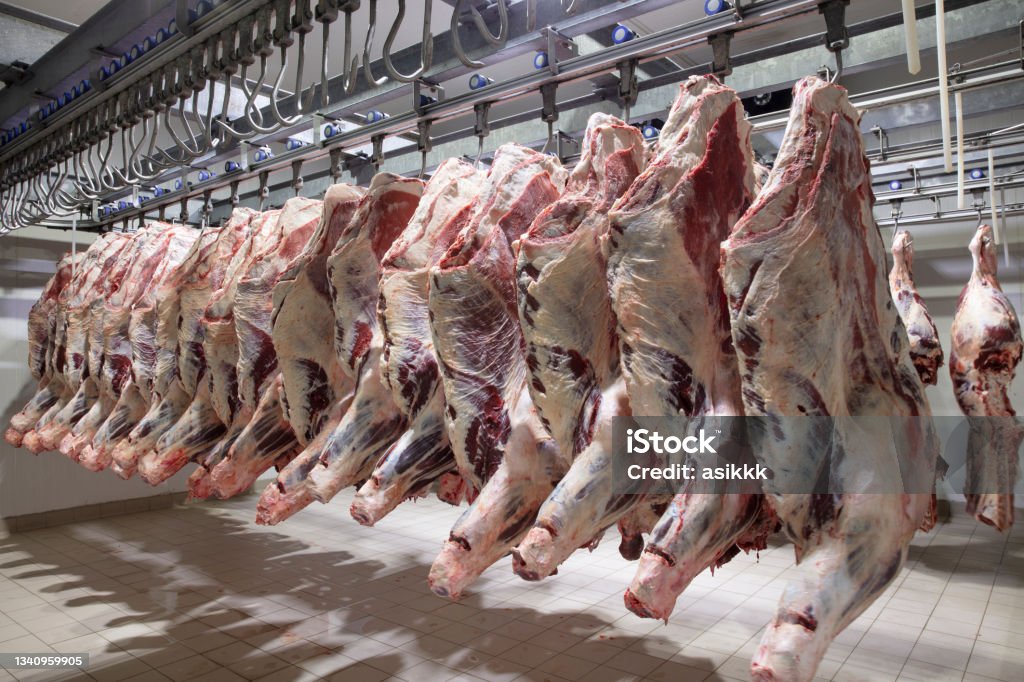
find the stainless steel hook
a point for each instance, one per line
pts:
(496, 41)
(426, 46)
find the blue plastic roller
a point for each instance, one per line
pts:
(622, 34)
(713, 7)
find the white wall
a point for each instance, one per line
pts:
(30, 484)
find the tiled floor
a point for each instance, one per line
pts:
(201, 593)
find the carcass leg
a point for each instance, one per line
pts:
(267, 437)
(370, 426)
(696, 532)
(136, 450)
(292, 491)
(50, 435)
(844, 568)
(504, 510)
(25, 420)
(421, 455)
(583, 504)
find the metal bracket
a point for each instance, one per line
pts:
(549, 107)
(235, 199)
(559, 47)
(183, 213)
(419, 89)
(207, 206)
(423, 143)
(561, 139)
(937, 204)
(629, 88)
(883, 141)
(917, 179)
(297, 181)
(337, 165)
(264, 190)
(482, 128)
(738, 10)
(377, 155)
(837, 37)
(721, 64)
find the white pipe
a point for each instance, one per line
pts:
(940, 48)
(958, 98)
(910, 35)
(992, 195)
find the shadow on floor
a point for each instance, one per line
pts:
(257, 601)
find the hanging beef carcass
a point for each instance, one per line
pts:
(818, 339)
(423, 453)
(220, 346)
(162, 244)
(500, 445)
(199, 428)
(74, 315)
(985, 351)
(372, 422)
(89, 398)
(571, 344)
(171, 355)
(925, 349)
(42, 337)
(267, 435)
(136, 393)
(674, 332)
(315, 384)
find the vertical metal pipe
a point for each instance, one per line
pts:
(910, 34)
(959, 100)
(940, 48)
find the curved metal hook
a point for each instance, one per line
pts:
(481, 26)
(371, 29)
(426, 46)
(303, 107)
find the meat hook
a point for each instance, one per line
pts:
(367, 71)
(496, 41)
(426, 46)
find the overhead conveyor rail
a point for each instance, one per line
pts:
(104, 150)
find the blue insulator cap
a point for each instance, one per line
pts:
(540, 60)
(426, 100)
(231, 166)
(713, 7)
(205, 175)
(372, 116)
(172, 28)
(477, 81)
(977, 174)
(895, 185)
(292, 144)
(158, 191)
(122, 205)
(178, 184)
(330, 130)
(622, 34)
(650, 132)
(262, 154)
(161, 36)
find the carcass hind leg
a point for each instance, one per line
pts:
(696, 532)
(852, 562)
